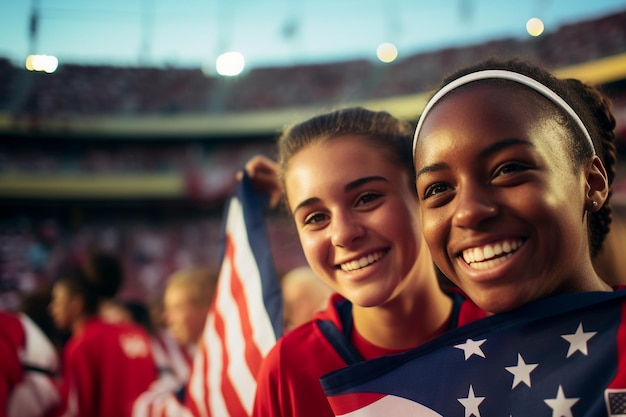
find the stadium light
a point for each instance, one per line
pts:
(42, 63)
(230, 64)
(387, 52)
(534, 26)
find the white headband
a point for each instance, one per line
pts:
(506, 75)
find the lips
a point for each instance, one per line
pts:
(362, 262)
(491, 255)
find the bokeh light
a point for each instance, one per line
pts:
(230, 64)
(534, 26)
(42, 63)
(387, 52)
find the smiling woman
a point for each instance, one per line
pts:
(347, 178)
(514, 192)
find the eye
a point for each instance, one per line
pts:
(315, 218)
(367, 198)
(510, 171)
(511, 167)
(435, 189)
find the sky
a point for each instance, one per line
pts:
(192, 33)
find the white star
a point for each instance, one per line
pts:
(561, 406)
(471, 403)
(578, 341)
(471, 347)
(521, 371)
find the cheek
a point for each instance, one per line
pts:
(175, 317)
(199, 319)
(434, 230)
(312, 244)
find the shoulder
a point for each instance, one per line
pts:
(288, 381)
(11, 329)
(296, 346)
(304, 350)
(99, 335)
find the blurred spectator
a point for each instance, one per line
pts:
(187, 299)
(105, 366)
(304, 294)
(27, 367)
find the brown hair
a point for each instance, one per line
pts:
(392, 136)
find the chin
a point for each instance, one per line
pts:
(496, 300)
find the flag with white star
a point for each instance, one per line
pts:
(563, 356)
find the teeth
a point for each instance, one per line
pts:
(491, 262)
(490, 255)
(362, 262)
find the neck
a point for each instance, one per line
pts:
(411, 319)
(78, 324)
(588, 282)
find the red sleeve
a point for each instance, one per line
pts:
(267, 401)
(12, 339)
(79, 374)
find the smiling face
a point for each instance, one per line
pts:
(503, 207)
(356, 217)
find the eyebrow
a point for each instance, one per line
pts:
(348, 187)
(488, 151)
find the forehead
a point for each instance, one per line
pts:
(483, 111)
(360, 151)
(329, 167)
(61, 289)
(484, 97)
(177, 292)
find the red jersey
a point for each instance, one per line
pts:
(28, 366)
(105, 367)
(12, 341)
(288, 381)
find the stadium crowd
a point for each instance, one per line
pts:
(76, 90)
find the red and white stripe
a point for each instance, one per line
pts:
(236, 336)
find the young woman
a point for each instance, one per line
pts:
(105, 365)
(348, 182)
(513, 171)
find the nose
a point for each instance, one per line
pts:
(475, 204)
(345, 229)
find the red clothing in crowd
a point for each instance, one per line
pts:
(105, 367)
(288, 382)
(28, 365)
(12, 340)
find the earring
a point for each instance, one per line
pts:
(594, 203)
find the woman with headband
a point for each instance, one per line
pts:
(513, 170)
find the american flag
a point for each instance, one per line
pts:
(246, 317)
(243, 324)
(563, 356)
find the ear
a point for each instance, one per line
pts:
(597, 185)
